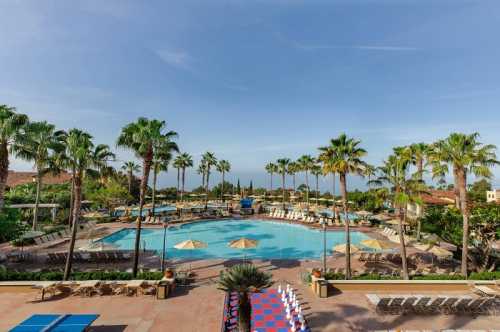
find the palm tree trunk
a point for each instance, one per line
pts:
(206, 190)
(343, 189)
(317, 189)
(183, 179)
(462, 186)
(307, 185)
(130, 175)
(456, 188)
(293, 176)
(37, 198)
(244, 313)
(178, 179)
(283, 189)
(334, 213)
(271, 183)
(222, 187)
(72, 198)
(155, 177)
(76, 214)
(144, 185)
(404, 262)
(4, 171)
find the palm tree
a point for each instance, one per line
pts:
(11, 125)
(244, 279)
(177, 165)
(316, 171)
(419, 153)
(162, 157)
(184, 161)
(343, 156)
(292, 169)
(394, 172)
(39, 143)
(202, 170)
(130, 168)
(209, 160)
(369, 172)
(283, 170)
(271, 169)
(466, 155)
(306, 164)
(141, 137)
(223, 167)
(83, 156)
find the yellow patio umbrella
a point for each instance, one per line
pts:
(440, 252)
(190, 245)
(342, 248)
(243, 243)
(377, 244)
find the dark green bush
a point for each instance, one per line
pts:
(439, 277)
(494, 275)
(10, 225)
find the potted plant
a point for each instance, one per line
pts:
(244, 279)
(169, 274)
(316, 273)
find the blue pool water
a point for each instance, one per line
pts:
(276, 240)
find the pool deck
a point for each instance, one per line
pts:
(199, 307)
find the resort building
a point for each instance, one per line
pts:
(493, 196)
(432, 198)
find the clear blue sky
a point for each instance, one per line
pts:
(253, 81)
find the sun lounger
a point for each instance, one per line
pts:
(421, 304)
(485, 291)
(408, 305)
(448, 305)
(381, 304)
(395, 306)
(462, 304)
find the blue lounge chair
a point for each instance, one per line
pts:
(55, 323)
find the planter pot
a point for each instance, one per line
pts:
(169, 274)
(316, 274)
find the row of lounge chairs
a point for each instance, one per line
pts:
(90, 257)
(388, 231)
(95, 287)
(421, 304)
(303, 217)
(53, 239)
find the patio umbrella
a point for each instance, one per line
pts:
(377, 244)
(243, 243)
(440, 252)
(190, 245)
(343, 247)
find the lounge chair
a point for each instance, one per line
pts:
(462, 304)
(448, 305)
(485, 291)
(362, 257)
(421, 304)
(38, 241)
(408, 305)
(395, 306)
(381, 304)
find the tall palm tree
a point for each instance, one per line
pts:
(369, 172)
(202, 170)
(306, 164)
(419, 153)
(39, 143)
(292, 169)
(11, 124)
(141, 137)
(343, 156)
(283, 170)
(130, 168)
(394, 172)
(466, 155)
(271, 169)
(161, 159)
(209, 160)
(177, 165)
(223, 167)
(184, 160)
(316, 171)
(83, 156)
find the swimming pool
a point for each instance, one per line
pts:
(276, 240)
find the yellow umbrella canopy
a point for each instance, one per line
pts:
(190, 245)
(377, 244)
(343, 247)
(440, 252)
(243, 243)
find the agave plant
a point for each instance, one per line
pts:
(244, 279)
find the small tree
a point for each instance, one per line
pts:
(244, 279)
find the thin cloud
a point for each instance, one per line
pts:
(177, 59)
(383, 48)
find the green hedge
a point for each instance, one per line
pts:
(55, 276)
(473, 276)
